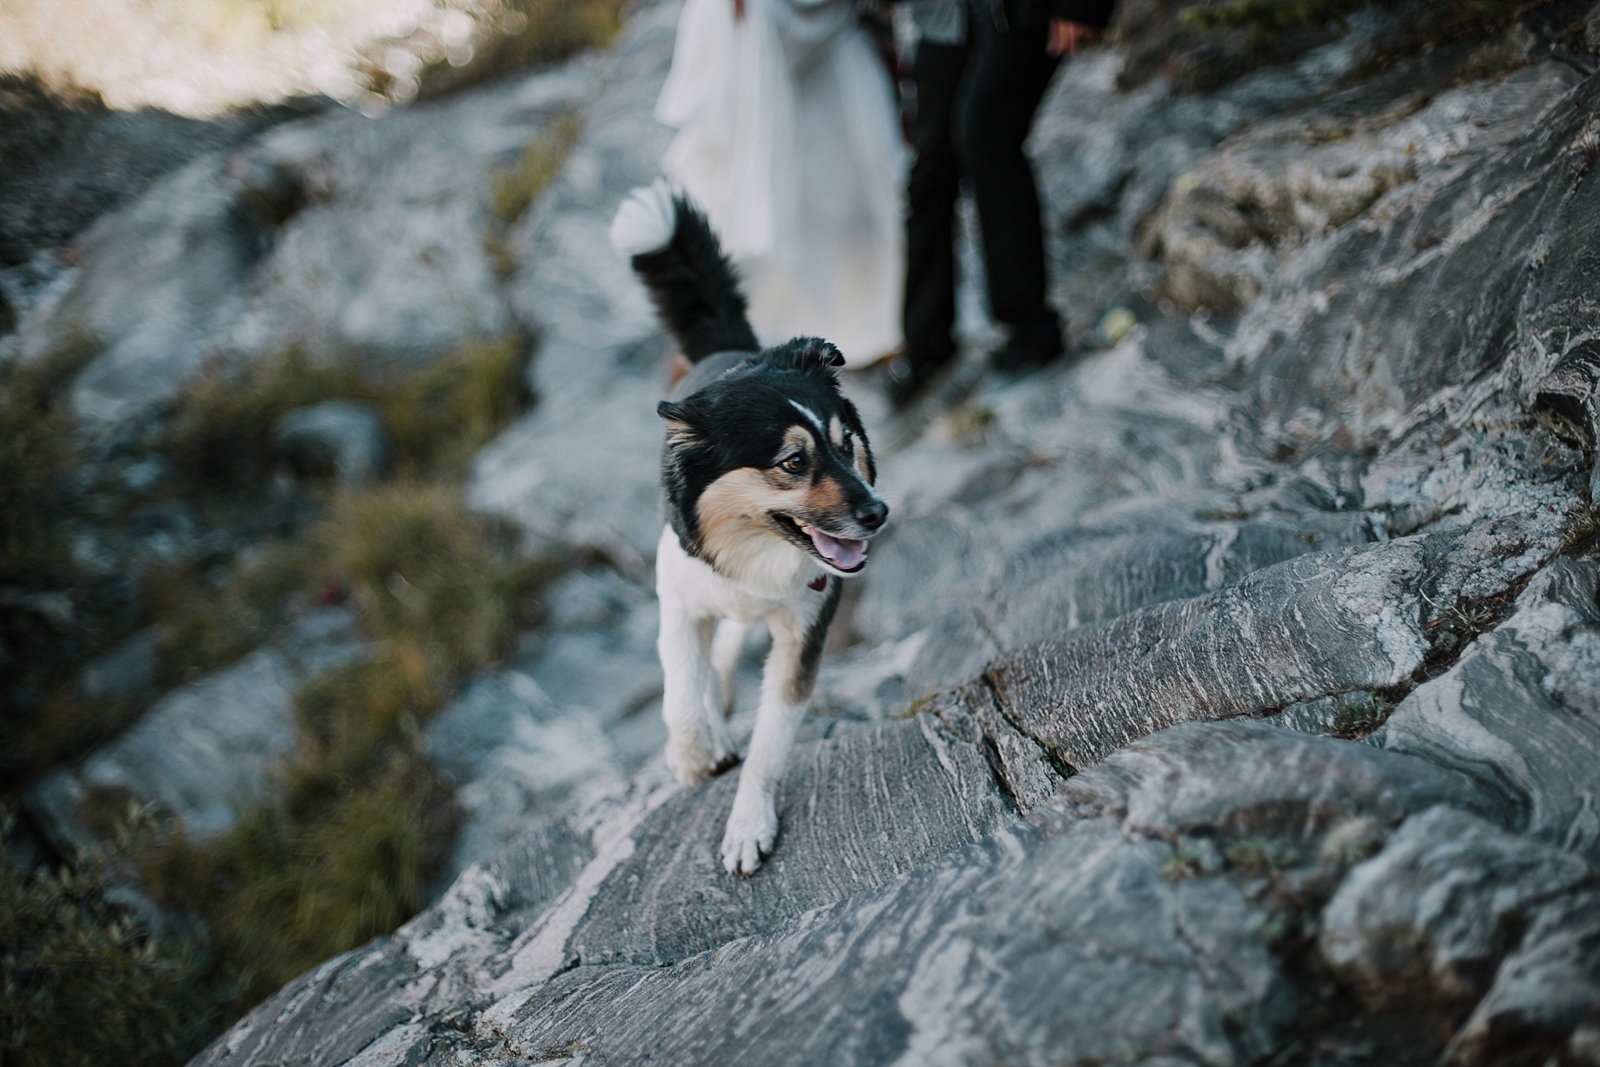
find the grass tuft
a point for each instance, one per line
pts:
(425, 570)
(1260, 855)
(443, 413)
(283, 893)
(220, 435)
(1580, 532)
(513, 188)
(209, 622)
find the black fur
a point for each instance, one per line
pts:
(805, 677)
(696, 289)
(735, 409)
(740, 419)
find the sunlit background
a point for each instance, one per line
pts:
(202, 57)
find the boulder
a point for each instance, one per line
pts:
(204, 748)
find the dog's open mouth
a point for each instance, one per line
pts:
(844, 554)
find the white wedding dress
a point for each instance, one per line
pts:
(787, 136)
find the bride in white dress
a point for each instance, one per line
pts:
(787, 136)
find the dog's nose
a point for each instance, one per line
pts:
(872, 513)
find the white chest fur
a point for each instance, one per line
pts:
(781, 580)
(697, 679)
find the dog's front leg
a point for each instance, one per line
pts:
(785, 688)
(726, 648)
(697, 746)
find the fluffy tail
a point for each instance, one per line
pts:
(694, 286)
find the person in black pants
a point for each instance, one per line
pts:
(975, 101)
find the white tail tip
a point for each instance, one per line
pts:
(646, 220)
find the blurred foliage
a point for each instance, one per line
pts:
(42, 640)
(284, 890)
(518, 34)
(83, 982)
(424, 569)
(220, 435)
(343, 850)
(350, 715)
(1267, 19)
(38, 464)
(513, 188)
(441, 414)
(356, 823)
(209, 619)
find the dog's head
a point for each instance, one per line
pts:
(770, 459)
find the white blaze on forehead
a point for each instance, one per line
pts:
(811, 416)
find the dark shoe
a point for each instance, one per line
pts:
(907, 378)
(1032, 345)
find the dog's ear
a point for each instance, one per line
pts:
(805, 353)
(682, 426)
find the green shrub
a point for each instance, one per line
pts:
(424, 569)
(220, 437)
(441, 414)
(82, 982)
(283, 891)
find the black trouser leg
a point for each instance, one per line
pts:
(931, 194)
(1007, 77)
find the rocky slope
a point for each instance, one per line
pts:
(1226, 696)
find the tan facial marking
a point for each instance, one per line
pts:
(796, 440)
(734, 508)
(823, 497)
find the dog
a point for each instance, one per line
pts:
(768, 494)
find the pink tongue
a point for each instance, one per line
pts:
(839, 551)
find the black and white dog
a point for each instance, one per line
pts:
(767, 480)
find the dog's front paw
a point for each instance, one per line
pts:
(694, 759)
(752, 828)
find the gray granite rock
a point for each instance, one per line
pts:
(1021, 948)
(1025, 835)
(928, 795)
(1284, 786)
(340, 437)
(126, 671)
(206, 747)
(1518, 713)
(1454, 910)
(338, 234)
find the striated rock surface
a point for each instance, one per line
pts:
(1224, 696)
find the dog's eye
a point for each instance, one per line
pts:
(847, 446)
(794, 464)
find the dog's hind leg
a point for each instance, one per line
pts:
(697, 736)
(725, 651)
